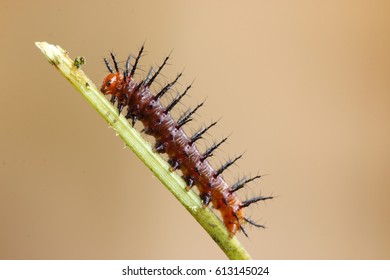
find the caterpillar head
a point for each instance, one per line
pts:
(112, 84)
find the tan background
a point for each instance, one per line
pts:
(303, 86)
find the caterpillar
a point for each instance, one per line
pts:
(170, 138)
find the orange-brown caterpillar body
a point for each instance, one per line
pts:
(171, 139)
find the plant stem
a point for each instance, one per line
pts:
(132, 138)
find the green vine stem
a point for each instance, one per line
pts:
(132, 138)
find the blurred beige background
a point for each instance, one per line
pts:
(303, 86)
